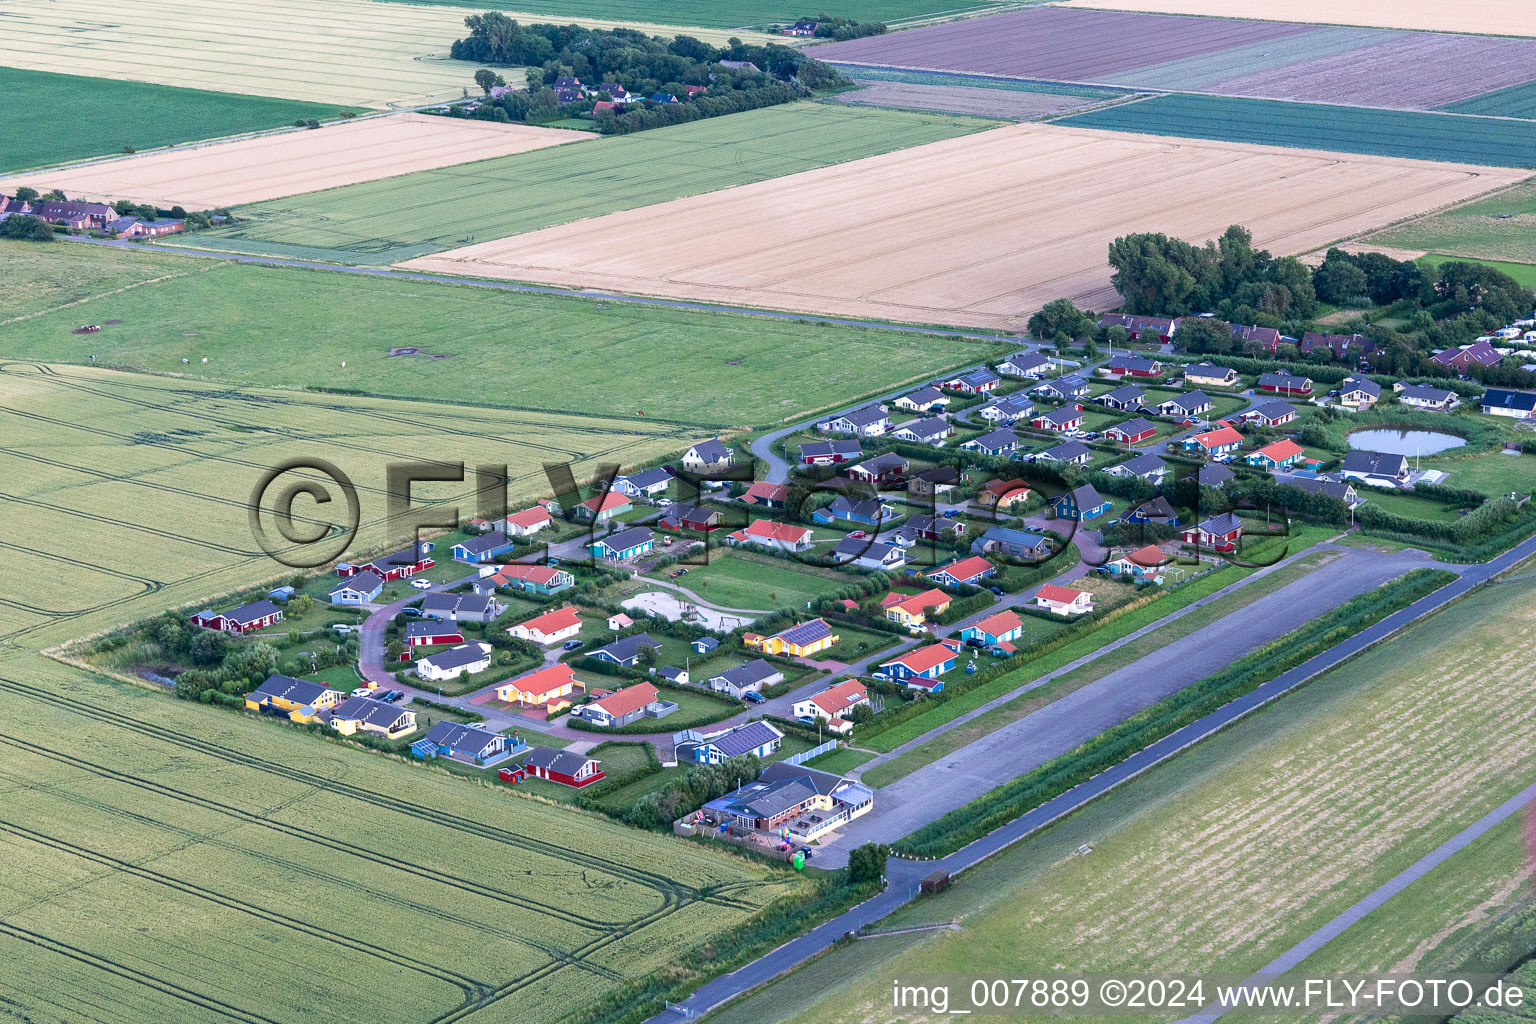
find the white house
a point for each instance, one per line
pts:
(455, 661)
(553, 627)
(1063, 600)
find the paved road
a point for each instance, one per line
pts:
(1294, 956)
(903, 874)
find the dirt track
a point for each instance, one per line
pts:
(1498, 17)
(273, 166)
(975, 231)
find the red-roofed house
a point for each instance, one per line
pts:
(833, 704)
(538, 579)
(784, 536)
(921, 667)
(550, 628)
(602, 508)
(1215, 442)
(1143, 562)
(995, 629)
(766, 495)
(1063, 600)
(912, 609)
(547, 688)
(621, 708)
(1276, 454)
(968, 572)
(1003, 494)
(530, 520)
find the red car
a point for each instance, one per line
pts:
(856, 534)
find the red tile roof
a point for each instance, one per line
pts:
(553, 622)
(965, 569)
(925, 659)
(528, 517)
(631, 698)
(1280, 450)
(764, 529)
(1002, 622)
(841, 697)
(544, 681)
(1065, 595)
(1219, 436)
(613, 499)
(1149, 556)
(539, 575)
(916, 604)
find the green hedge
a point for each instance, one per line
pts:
(1028, 791)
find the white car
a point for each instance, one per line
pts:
(362, 691)
(421, 584)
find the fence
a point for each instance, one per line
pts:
(806, 755)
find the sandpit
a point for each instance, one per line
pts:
(286, 164)
(975, 231)
(1494, 17)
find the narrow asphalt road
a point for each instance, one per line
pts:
(903, 875)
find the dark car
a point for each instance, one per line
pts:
(390, 696)
(997, 590)
(753, 697)
(411, 613)
(571, 645)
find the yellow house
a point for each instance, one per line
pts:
(298, 699)
(913, 609)
(364, 714)
(548, 688)
(800, 641)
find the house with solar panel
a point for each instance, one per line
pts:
(758, 738)
(800, 641)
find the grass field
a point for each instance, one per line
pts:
(740, 580)
(1525, 273)
(1497, 228)
(931, 234)
(160, 116)
(726, 13)
(294, 328)
(327, 51)
(1229, 854)
(1396, 133)
(395, 219)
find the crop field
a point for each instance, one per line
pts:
(1500, 227)
(1495, 17)
(1270, 60)
(281, 327)
(962, 99)
(979, 230)
(162, 116)
(722, 14)
(1516, 101)
(397, 218)
(1232, 852)
(1392, 133)
(272, 166)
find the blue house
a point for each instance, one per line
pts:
(626, 649)
(483, 548)
(869, 511)
(360, 588)
(629, 543)
(759, 738)
(1013, 543)
(467, 744)
(922, 668)
(1155, 510)
(1000, 628)
(1081, 504)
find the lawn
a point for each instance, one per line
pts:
(105, 116)
(1492, 473)
(756, 582)
(294, 328)
(1497, 228)
(1399, 133)
(839, 761)
(722, 13)
(1407, 504)
(398, 218)
(1524, 273)
(40, 278)
(1196, 866)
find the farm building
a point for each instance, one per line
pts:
(562, 766)
(760, 739)
(547, 688)
(467, 744)
(465, 659)
(1063, 600)
(626, 544)
(552, 627)
(1279, 454)
(1218, 533)
(801, 641)
(245, 619)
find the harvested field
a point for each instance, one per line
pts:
(1266, 60)
(336, 51)
(273, 166)
(720, 14)
(1391, 133)
(1495, 17)
(980, 230)
(414, 214)
(960, 99)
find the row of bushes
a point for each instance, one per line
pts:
(1007, 802)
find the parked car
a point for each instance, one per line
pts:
(411, 613)
(856, 535)
(422, 584)
(343, 629)
(951, 513)
(997, 590)
(807, 719)
(571, 645)
(753, 697)
(362, 691)
(390, 696)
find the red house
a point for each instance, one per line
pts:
(245, 619)
(1134, 366)
(397, 566)
(562, 766)
(1284, 384)
(692, 517)
(1061, 420)
(1131, 432)
(429, 632)
(1218, 533)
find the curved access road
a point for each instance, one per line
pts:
(903, 875)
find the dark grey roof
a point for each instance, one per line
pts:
(457, 657)
(922, 396)
(1375, 463)
(860, 417)
(1156, 508)
(882, 463)
(848, 448)
(552, 760)
(1086, 497)
(369, 711)
(1188, 401)
(484, 542)
(300, 691)
(1364, 384)
(1425, 393)
(630, 538)
(1208, 370)
(754, 671)
(1026, 360)
(932, 426)
(625, 648)
(1139, 425)
(1214, 475)
(1222, 524)
(1319, 485)
(745, 737)
(1061, 417)
(1274, 410)
(461, 737)
(428, 628)
(939, 475)
(440, 602)
(996, 440)
(869, 507)
(855, 548)
(1502, 398)
(712, 450)
(1066, 451)
(367, 581)
(820, 781)
(253, 611)
(649, 477)
(1142, 464)
(1129, 393)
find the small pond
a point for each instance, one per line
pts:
(1404, 442)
